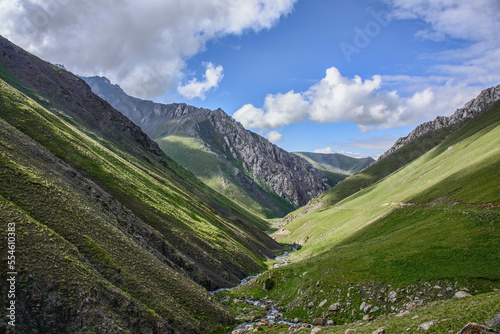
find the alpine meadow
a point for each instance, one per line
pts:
(293, 200)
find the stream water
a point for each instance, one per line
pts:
(273, 315)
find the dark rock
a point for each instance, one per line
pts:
(319, 322)
(495, 321)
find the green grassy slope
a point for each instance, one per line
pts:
(76, 252)
(97, 204)
(335, 166)
(433, 222)
(382, 168)
(219, 175)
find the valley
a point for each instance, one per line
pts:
(128, 213)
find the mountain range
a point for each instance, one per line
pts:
(108, 233)
(238, 163)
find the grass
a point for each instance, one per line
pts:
(146, 251)
(434, 221)
(218, 174)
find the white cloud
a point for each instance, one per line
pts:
(212, 77)
(477, 22)
(142, 45)
(280, 109)
(336, 98)
(325, 150)
(329, 150)
(365, 147)
(274, 136)
(383, 102)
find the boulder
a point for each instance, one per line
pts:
(461, 294)
(315, 330)
(495, 321)
(426, 325)
(381, 330)
(473, 328)
(334, 307)
(318, 322)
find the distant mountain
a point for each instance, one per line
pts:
(336, 166)
(111, 235)
(238, 163)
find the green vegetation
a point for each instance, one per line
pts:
(335, 166)
(432, 222)
(143, 253)
(192, 154)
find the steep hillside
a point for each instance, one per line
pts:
(336, 166)
(405, 150)
(240, 164)
(422, 234)
(111, 235)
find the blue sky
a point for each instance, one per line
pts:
(310, 75)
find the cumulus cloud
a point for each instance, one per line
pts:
(383, 102)
(142, 45)
(336, 98)
(194, 88)
(274, 136)
(325, 150)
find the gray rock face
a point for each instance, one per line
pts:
(257, 163)
(485, 100)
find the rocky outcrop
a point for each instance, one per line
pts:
(290, 176)
(485, 100)
(258, 166)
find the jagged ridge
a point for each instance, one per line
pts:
(485, 100)
(272, 177)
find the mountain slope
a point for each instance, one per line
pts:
(336, 166)
(421, 234)
(237, 163)
(111, 233)
(407, 149)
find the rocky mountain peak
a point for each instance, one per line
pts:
(264, 171)
(485, 100)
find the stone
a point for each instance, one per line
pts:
(367, 308)
(381, 330)
(461, 294)
(316, 330)
(296, 320)
(374, 309)
(318, 322)
(473, 328)
(392, 297)
(351, 330)
(367, 317)
(495, 321)
(362, 306)
(334, 307)
(322, 303)
(330, 323)
(310, 305)
(239, 331)
(426, 325)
